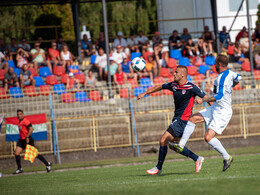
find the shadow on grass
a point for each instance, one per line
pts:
(164, 174)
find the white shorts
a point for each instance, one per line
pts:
(216, 118)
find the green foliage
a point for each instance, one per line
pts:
(258, 15)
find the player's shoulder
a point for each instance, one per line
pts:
(25, 121)
(190, 85)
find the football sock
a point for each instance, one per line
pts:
(18, 161)
(188, 130)
(215, 143)
(41, 158)
(162, 154)
(190, 154)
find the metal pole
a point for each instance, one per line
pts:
(250, 44)
(215, 22)
(106, 40)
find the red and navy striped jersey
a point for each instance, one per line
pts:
(183, 96)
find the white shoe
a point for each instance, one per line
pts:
(198, 164)
(154, 171)
(48, 168)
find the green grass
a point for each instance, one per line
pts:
(178, 177)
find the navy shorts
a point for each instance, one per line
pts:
(177, 127)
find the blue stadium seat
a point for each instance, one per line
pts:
(17, 72)
(135, 54)
(210, 60)
(242, 56)
(59, 88)
(203, 69)
(139, 90)
(92, 59)
(45, 71)
(189, 78)
(38, 81)
(184, 61)
(175, 53)
(16, 92)
(74, 69)
(145, 82)
(81, 96)
(11, 64)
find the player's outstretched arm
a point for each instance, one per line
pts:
(208, 99)
(151, 90)
(201, 100)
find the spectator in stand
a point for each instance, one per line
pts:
(151, 65)
(174, 40)
(119, 77)
(66, 57)
(42, 45)
(12, 47)
(185, 36)
(131, 42)
(24, 45)
(257, 60)
(237, 52)
(160, 58)
(53, 56)
(191, 48)
(256, 35)
(146, 73)
(244, 42)
(208, 41)
(60, 43)
(2, 46)
(112, 66)
(26, 77)
(120, 41)
(208, 83)
(141, 40)
(200, 46)
(156, 39)
(72, 83)
(90, 81)
(224, 36)
(101, 62)
(10, 79)
(38, 57)
(3, 62)
(100, 42)
(127, 69)
(239, 35)
(22, 57)
(119, 55)
(86, 47)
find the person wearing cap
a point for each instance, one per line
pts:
(112, 67)
(120, 41)
(156, 39)
(72, 83)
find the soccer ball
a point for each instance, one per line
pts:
(138, 64)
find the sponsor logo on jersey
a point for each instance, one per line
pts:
(183, 91)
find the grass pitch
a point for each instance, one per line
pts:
(178, 177)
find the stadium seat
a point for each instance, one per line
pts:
(30, 91)
(80, 77)
(171, 63)
(16, 92)
(81, 96)
(199, 78)
(175, 53)
(133, 83)
(165, 72)
(184, 61)
(197, 61)
(192, 70)
(33, 71)
(238, 87)
(139, 90)
(2, 74)
(17, 72)
(11, 64)
(257, 74)
(38, 81)
(63, 78)
(44, 71)
(170, 79)
(92, 59)
(203, 69)
(51, 80)
(231, 49)
(167, 92)
(3, 94)
(242, 56)
(58, 70)
(124, 93)
(94, 95)
(45, 89)
(67, 98)
(210, 60)
(135, 54)
(145, 82)
(246, 66)
(158, 93)
(189, 78)
(214, 69)
(146, 54)
(214, 75)
(158, 81)
(74, 69)
(59, 88)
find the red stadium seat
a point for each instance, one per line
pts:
(171, 63)
(67, 98)
(246, 66)
(257, 74)
(33, 71)
(133, 83)
(30, 91)
(51, 80)
(165, 72)
(158, 81)
(63, 78)
(231, 49)
(197, 61)
(94, 95)
(146, 54)
(170, 79)
(2, 74)
(80, 77)
(214, 69)
(45, 89)
(3, 94)
(199, 78)
(58, 70)
(158, 93)
(124, 93)
(192, 70)
(167, 92)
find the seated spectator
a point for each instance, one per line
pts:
(118, 55)
(2, 46)
(112, 67)
(90, 81)
(200, 46)
(151, 65)
(257, 60)
(3, 62)
(10, 79)
(25, 45)
(191, 48)
(26, 77)
(256, 35)
(156, 39)
(22, 57)
(185, 36)
(60, 43)
(208, 83)
(101, 62)
(72, 83)
(12, 47)
(66, 57)
(238, 53)
(224, 36)
(127, 69)
(239, 35)
(244, 42)
(100, 42)
(207, 41)
(42, 44)
(53, 56)
(146, 73)
(141, 40)
(120, 41)
(161, 59)
(174, 41)
(119, 77)
(86, 47)
(131, 42)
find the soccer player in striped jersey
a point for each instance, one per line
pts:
(218, 115)
(184, 94)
